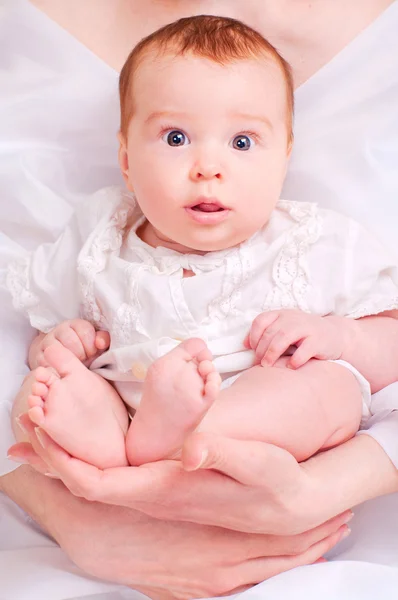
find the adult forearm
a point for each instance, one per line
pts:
(372, 348)
(36, 494)
(347, 475)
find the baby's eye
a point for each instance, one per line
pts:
(175, 138)
(242, 142)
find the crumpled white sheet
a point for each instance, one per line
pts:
(58, 120)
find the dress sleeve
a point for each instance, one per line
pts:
(44, 284)
(368, 279)
(359, 279)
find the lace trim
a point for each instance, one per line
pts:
(108, 242)
(237, 268)
(23, 299)
(128, 319)
(290, 270)
(374, 308)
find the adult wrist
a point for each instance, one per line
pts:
(36, 494)
(346, 476)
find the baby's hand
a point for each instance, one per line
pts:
(272, 333)
(78, 336)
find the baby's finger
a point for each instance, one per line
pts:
(102, 340)
(87, 336)
(69, 339)
(265, 341)
(259, 325)
(278, 346)
(303, 354)
(246, 342)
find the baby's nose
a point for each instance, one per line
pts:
(206, 170)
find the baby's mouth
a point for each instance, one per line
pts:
(207, 207)
(207, 204)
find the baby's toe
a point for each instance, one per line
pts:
(39, 389)
(44, 375)
(34, 401)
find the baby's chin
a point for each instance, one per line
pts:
(208, 243)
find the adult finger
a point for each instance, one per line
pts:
(24, 454)
(296, 544)
(114, 486)
(260, 569)
(244, 461)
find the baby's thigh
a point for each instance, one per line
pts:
(303, 410)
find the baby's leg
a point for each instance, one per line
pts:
(304, 410)
(179, 389)
(78, 409)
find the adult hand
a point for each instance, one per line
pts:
(244, 486)
(163, 559)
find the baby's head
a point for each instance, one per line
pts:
(206, 131)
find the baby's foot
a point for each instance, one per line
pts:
(179, 389)
(79, 409)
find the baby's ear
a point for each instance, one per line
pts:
(124, 159)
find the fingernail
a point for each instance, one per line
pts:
(349, 517)
(51, 475)
(39, 435)
(16, 459)
(18, 422)
(346, 533)
(203, 458)
(200, 463)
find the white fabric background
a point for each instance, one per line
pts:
(58, 123)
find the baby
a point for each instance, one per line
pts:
(197, 299)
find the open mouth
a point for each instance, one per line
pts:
(208, 211)
(207, 207)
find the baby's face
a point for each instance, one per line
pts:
(207, 148)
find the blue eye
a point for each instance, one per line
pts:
(242, 142)
(175, 138)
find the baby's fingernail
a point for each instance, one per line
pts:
(40, 437)
(346, 533)
(51, 475)
(349, 517)
(18, 422)
(16, 459)
(200, 463)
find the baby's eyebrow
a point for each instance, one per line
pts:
(164, 114)
(248, 117)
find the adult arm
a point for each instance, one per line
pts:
(162, 559)
(264, 488)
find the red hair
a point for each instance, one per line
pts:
(220, 39)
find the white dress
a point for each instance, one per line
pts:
(58, 118)
(305, 257)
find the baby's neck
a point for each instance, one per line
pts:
(151, 236)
